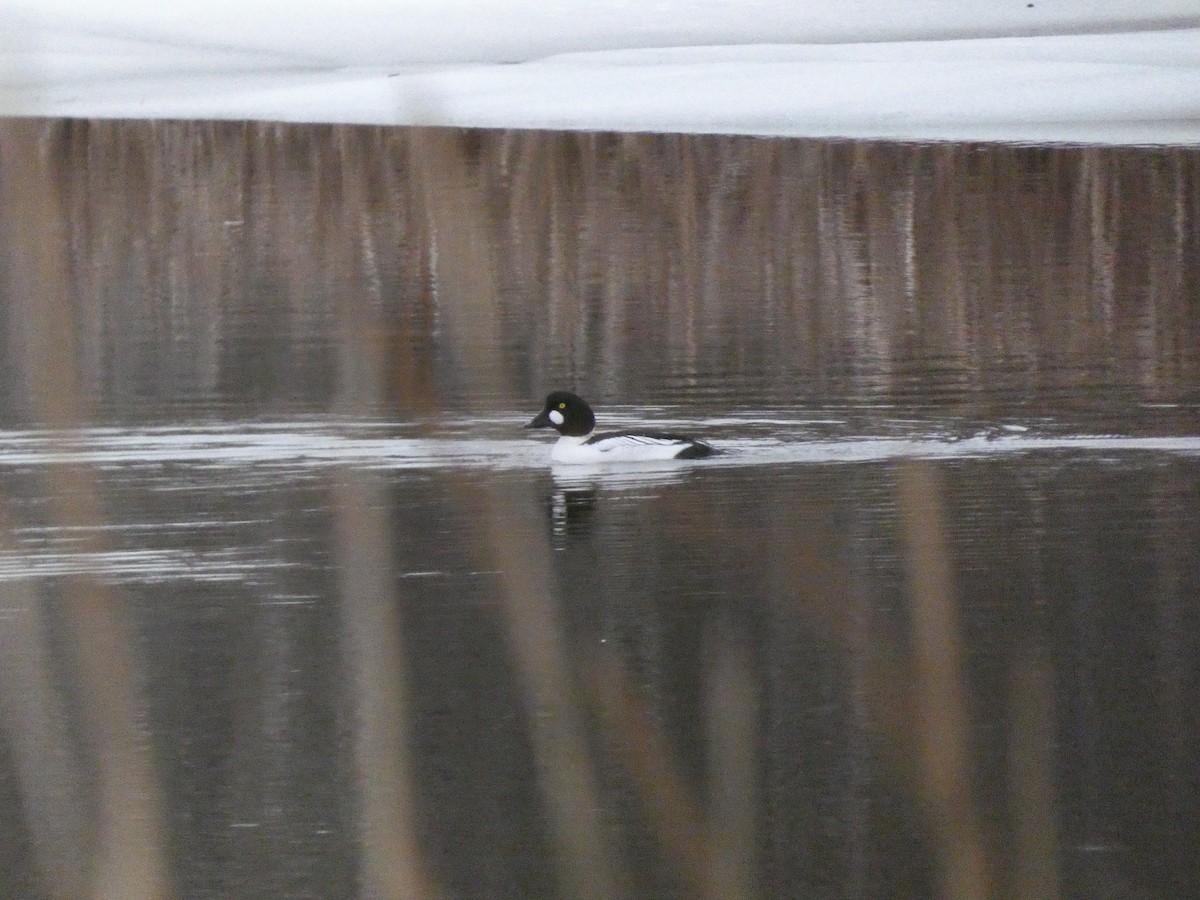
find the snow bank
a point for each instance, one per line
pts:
(929, 69)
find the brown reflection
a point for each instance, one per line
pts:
(939, 689)
(392, 859)
(732, 713)
(392, 863)
(714, 852)
(465, 288)
(200, 256)
(36, 724)
(123, 854)
(1032, 782)
(549, 680)
(674, 814)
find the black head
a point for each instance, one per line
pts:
(567, 414)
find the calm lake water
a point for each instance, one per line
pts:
(293, 607)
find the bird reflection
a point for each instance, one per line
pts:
(572, 509)
(573, 503)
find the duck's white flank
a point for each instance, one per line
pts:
(617, 448)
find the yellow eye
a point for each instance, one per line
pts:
(562, 406)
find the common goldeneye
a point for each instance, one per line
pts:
(574, 420)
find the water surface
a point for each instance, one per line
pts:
(293, 607)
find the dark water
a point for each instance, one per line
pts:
(292, 607)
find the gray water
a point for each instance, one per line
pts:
(293, 607)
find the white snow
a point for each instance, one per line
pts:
(1048, 70)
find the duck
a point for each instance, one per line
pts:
(570, 415)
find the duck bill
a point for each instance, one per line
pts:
(542, 420)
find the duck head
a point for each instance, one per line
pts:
(567, 413)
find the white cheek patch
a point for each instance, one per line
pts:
(556, 417)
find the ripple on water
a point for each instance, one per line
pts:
(766, 441)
